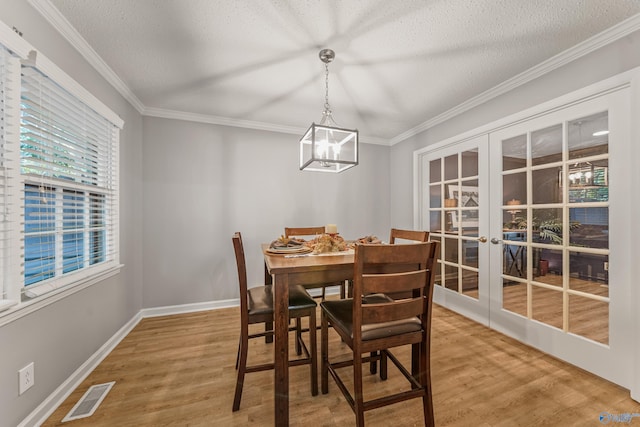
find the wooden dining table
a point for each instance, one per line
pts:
(283, 271)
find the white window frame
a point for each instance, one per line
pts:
(13, 302)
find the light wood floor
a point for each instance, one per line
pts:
(179, 371)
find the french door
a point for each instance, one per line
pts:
(458, 196)
(531, 219)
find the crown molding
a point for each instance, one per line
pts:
(604, 38)
(240, 123)
(64, 27)
(218, 120)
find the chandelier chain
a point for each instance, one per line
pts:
(327, 107)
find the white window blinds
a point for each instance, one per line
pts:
(68, 160)
(9, 182)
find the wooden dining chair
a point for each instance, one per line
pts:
(256, 306)
(396, 236)
(308, 232)
(378, 327)
(411, 235)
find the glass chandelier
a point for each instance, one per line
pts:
(325, 147)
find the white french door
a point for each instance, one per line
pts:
(533, 223)
(456, 211)
(557, 254)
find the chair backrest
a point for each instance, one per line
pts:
(413, 235)
(413, 267)
(303, 231)
(242, 272)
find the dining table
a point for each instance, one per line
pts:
(283, 271)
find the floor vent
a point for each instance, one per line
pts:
(88, 404)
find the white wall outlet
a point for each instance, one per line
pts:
(26, 378)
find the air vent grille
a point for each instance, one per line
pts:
(88, 404)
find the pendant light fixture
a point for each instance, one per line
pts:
(325, 147)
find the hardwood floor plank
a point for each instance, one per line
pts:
(179, 371)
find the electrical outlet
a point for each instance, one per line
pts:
(26, 378)
(606, 266)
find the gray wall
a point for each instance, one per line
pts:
(62, 336)
(203, 182)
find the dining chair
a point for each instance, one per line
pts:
(412, 235)
(256, 306)
(379, 327)
(396, 236)
(307, 232)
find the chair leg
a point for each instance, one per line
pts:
(425, 381)
(342, 291)
(242, 366)
(298, 336)
(416, 361)
(358, 398)
(324, 354)
(268, 326)
(373, 366)
(383, 365)
(238, 354)
(314, 353)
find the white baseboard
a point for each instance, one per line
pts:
(55, 399)
(188, 308)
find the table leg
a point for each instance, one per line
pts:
(268, 326)
(281, 349)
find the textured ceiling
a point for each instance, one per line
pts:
(398, 63)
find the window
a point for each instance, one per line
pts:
(58, 182)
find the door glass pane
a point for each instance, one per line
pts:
(470, 253)
(470, 283)
(514, 153)
(589, 181)
(451, 277)
(589, 273)
(434, 220)
(589, 227)
(438, 279)
(451, 250)
(546, 306)
(514, 187)
(546, 185)
(451, 167)
(589, 318)
(548, 266)
(514, 217)
(435, 196)
(547, 226)
(435, 171)
(589, 136)
(514, 261)
(546, 145)
(470, 163)
(514, 296)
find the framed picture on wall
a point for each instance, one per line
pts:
(466, 198)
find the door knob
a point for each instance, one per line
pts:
(482, 239)
(495, 241)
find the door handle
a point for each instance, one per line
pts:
(482, 239)
(495, 241)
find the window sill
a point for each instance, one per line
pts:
(29, 306)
